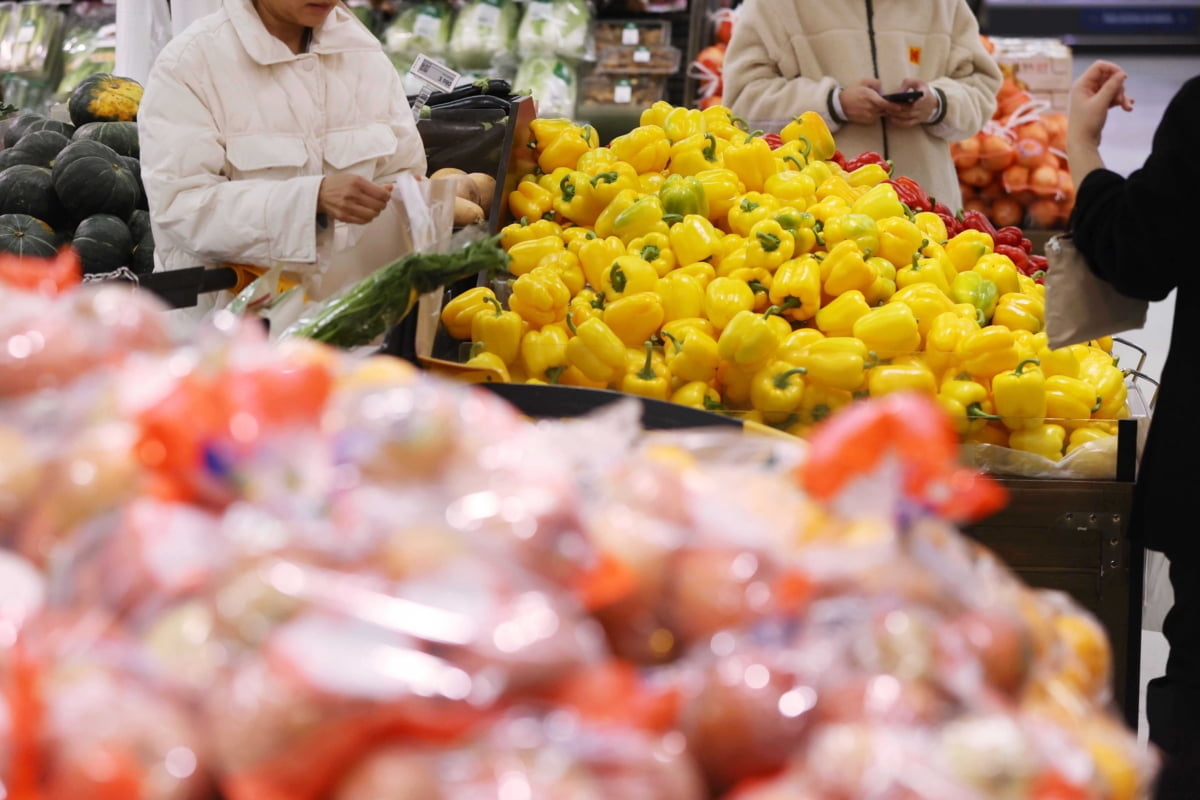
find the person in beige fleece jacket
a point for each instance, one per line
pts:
(839, 57)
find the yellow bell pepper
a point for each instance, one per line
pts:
(725, 298)
(576, 199)
(552, 181)
(1057, 362)
(652, 182)
(606, 222)
(565, 149)
(602, 159)
(967, 403)
(923, 270)
(819, 403)
(881, 290)
(683, 123)
(694, 239)
(792, 347)
(596, 351)
(544, 352)
(889, 331)
(802, 226)
(698, 153)
(693, 356)
(899, 241)
(776, 391)
(931, 226)
(530, 201)
(749, 210)
(484, 360)
(846, 270)
(1045, 440)
(879, 203)
(584, 306)
(927, 302)
(573, 376)
(546, 131)
(500, 332)
(734, 384)
(656, 114)
(635, 317)
(698, 394)
(829, 208)
(753, 162)
(988, 352)
(679, 328)
(655, 248)
(838, 362)
(857, 228)
(936, 255)
(901, 377)
(645, 216)
(749, 340)
(735, 261)
(965, 249)
(722, 188)
(597, 255)
(796, 287)
(652, 381)
(1109, 383)
(574, 238)
(720, 121)
(836, 186)
(810, 126)
(768, 245)
(627, 275)
(701, 271)
(645, 148)
(759, 281)
(607, 185)
(942, 340)
(1020, 396)
(566, 264)
(1081, 437)
(838, 318)
(1019, 312)
(1000, 270)
(1070, 402)
(821, 171)
(1028, 286)
(792, 188)
(525, 231)
(729, 244)
(540, 297)
(459, 313)
(872, 176)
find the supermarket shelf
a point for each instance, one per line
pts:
(1101, 24)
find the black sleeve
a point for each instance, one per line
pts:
(1134, 231)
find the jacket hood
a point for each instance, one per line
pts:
(340, 33)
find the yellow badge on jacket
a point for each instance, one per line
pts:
(914, 55)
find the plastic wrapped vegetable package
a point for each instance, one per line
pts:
(418, 28)
(484, 34)
(554, 27)
(330, 575)
(553, 84)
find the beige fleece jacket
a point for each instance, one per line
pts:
(790, 56)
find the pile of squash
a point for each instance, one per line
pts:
(78, 183)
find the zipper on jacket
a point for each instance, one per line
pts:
(875, 66)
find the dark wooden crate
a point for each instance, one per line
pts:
(1073, 536)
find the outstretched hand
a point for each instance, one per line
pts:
(1099, 88)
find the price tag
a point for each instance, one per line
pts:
(641, 55)
(540, 10)
(427, 27)
(631, 35)
(435, 77)
(623, 92)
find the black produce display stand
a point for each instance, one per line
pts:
(181, 288)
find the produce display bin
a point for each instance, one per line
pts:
(652, 32)
(639, 60)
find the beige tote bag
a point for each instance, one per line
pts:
(1081, 306)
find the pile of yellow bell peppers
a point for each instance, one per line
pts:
(689, 261)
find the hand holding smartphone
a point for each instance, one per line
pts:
(904, 98)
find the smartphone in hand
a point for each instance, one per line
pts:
(904, 98)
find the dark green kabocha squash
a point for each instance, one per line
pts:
(142, 260)
(103, 242)
(19, 127)
(27, 236)
(26, 189)
(105, 98)
(139, 224)
(90, 178)
(65, 128)
(135, 168)
(122, 137)
(39, 148)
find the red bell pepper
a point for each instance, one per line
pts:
(911, 194)
(1018, 256)
(1039, 263)
(941, 209)
(838, 158)
(1026, 245)
(863, 159)
(774, 140)
(953, 225)
(1009, 235)
(978, 221)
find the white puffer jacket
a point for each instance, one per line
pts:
(237, 133)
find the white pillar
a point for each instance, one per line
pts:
(143, 28)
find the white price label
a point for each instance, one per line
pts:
(488, 16)
(623, 93)
(641, 55)
(438, 76)
(540, 10)
(427, 27)
(26, 33)
(631, 35)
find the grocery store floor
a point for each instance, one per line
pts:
(1153, 80)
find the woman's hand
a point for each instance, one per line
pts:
(352, 199)
(864, 104)
(1098, 89)
(916, 113)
